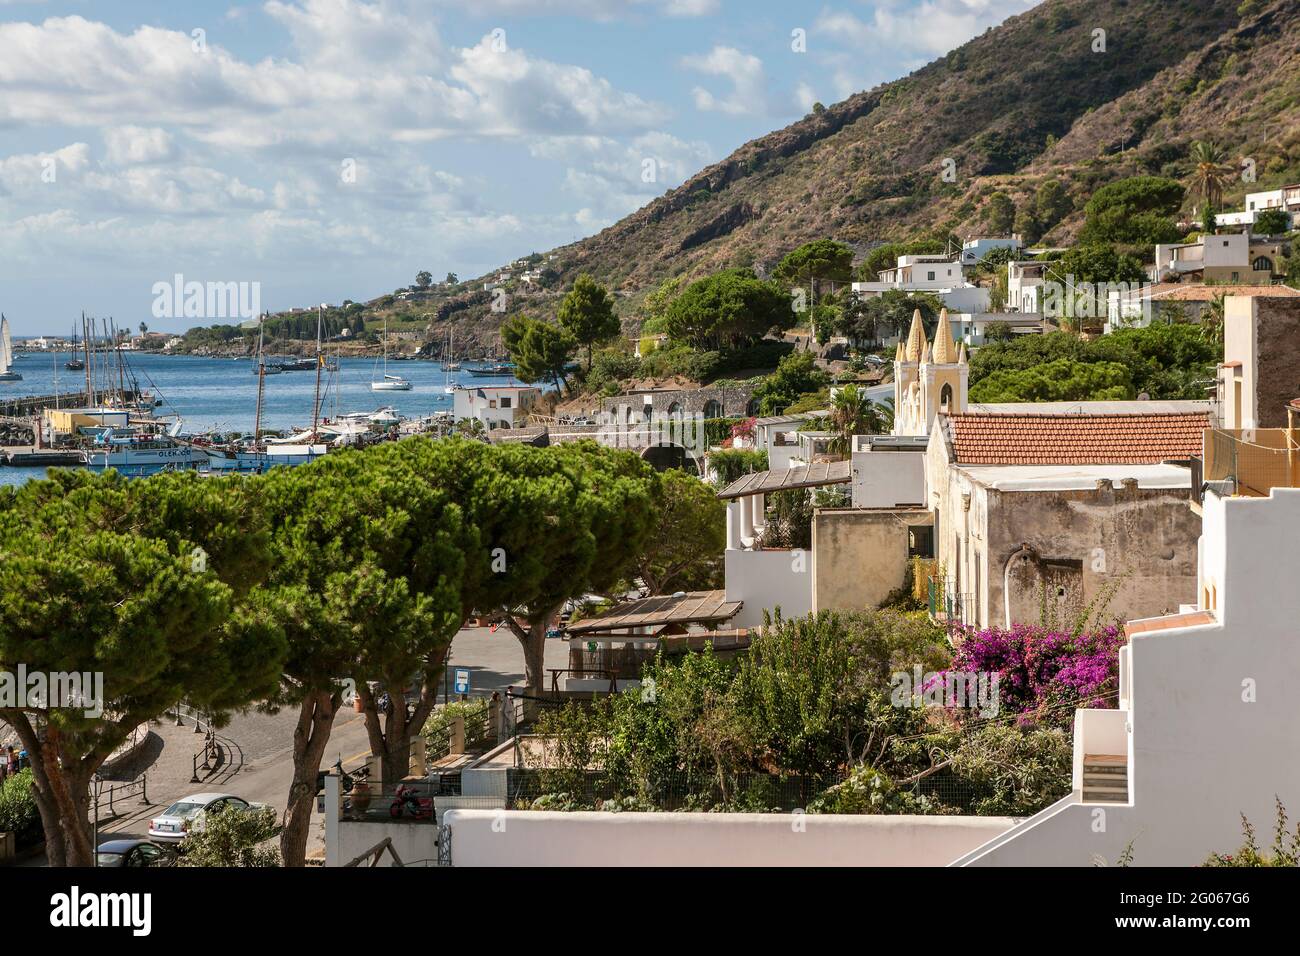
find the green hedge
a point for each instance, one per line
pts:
(18, 811)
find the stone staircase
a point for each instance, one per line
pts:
(1105, 778)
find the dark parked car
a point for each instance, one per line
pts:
(134, 853)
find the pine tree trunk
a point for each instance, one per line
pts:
(315, 722)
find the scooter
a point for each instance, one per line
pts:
(406, 800)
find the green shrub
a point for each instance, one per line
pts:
(731, 463)
(18, 811)
(1286, 846)
(233, 836)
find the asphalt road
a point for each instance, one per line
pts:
(260, 765)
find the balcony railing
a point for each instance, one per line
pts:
(949, 607)
(1251, 461)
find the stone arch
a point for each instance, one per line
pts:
(664, 456)
(1262, 264)
(713, 408)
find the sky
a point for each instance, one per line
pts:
(331, 149)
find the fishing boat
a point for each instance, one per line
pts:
(494, 370)
(297, 365)
(138, 454)
(389, 383)
(7, 354)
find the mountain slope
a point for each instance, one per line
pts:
(1029, 100)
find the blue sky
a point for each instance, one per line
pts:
(330, 149)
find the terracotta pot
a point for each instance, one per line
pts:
(360, 797)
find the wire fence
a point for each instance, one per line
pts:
(940, 793)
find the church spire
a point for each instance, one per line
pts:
(945, 350)
(916, 338)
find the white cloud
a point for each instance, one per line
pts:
(748, 95)
(614, 177)
(930, 28)
(349, 86)
(229, 163)
(602, 10)
(131, 145)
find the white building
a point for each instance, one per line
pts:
(936, 274)
(1025, 280)
(496, 406)
(1222, 258)
(974, 250)
(1287, 199)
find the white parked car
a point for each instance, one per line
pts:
(186, 816)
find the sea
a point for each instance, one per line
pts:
(220, 394)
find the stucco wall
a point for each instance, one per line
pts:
(886, 479)
(764, 580)
(537, 838)
(859, 556)
(1140, 542)
(734, 401)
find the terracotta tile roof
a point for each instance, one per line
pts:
(1075, 439)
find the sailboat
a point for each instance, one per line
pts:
(449, 366)
(74, 364)
(7, 353)
(449, 363)
(389, 383)
(261, 453)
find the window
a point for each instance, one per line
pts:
(945, 397)
(1262, 264)
(713, 408)
(920, 541)
(505, 402)
(929, 276)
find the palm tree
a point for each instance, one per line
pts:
(1212, 321)
(851, 413)
(1211, 173)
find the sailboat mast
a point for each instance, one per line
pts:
(261, 384)
(315, 411)
(121, 362)
(85, 346)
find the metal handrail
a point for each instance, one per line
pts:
(124, 789)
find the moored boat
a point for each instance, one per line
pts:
(139, 454)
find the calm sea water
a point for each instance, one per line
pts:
(221, 394)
